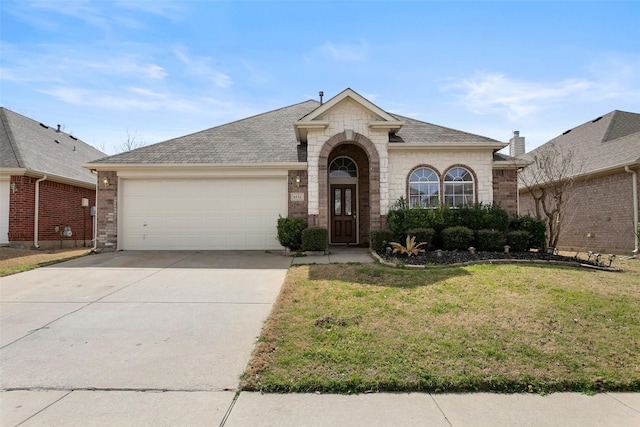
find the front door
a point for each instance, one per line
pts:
(343, 213)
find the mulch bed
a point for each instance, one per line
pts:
(441, 258)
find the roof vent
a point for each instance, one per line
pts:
(595, 120)
(56, 141)
(73, 137)
(58, 128)
(321, 93)
(44, 126)
(566, 132)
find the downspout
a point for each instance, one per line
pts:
(94, 220)
(635, 205)
(37, 212)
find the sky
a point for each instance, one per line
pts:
(146, 71)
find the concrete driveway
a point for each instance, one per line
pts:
(132, 338)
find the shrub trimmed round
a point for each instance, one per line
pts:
(459, 237)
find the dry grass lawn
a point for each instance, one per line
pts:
(14, 260)
(507, 328)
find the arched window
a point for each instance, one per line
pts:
(343, 167)
(424, 189)
(459, 189)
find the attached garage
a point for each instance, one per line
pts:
(230, 213)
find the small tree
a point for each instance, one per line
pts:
(549, 179)
(131, 143)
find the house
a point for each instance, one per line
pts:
(340, 164)
(601, 158)
(45, 194)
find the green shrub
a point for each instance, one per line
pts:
(456, 238)
(315, 239)
(379, 240)
(489, 240)
(495, 218)
(519, 240)
(402, 220)
(426, 235)
(536, 228)
(290, 232)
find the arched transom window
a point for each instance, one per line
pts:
(343, 167)
(459, 188)
(424, 189)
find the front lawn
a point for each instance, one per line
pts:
(505, 328)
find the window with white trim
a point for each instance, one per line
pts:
(424, 189)
(459, 189)
(343, 167)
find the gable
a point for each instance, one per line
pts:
(348, 103)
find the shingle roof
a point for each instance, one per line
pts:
(267, 138)
(609, 141)
(419, 132)
(28, 144)
(264, 138)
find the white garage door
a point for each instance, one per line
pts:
(221, 213)
(4, 211)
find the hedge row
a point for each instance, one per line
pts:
(486, 227)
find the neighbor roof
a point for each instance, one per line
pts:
(606, 142)
(269, 138)
(37, 148)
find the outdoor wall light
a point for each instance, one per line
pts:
(106, 182)
(298, 181)
(14, 187)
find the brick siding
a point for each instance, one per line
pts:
(107, 229)
(297, 209)
(505, 189)
(598, 214)
(60, 206)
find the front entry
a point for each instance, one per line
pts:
(343, 213)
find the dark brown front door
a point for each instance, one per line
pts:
(343, 213)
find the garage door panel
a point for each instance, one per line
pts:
(202, 214)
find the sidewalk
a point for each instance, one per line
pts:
(337, 254)
(422, 409)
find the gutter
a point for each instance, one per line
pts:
(37, 212)
(634, 176)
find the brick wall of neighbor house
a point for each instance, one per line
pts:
(107, 229)
(599, 215)
(60, 206)
(297, 208)
(505, 189)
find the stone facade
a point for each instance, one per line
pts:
(403, 162)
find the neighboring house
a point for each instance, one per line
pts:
(601, 211)
(43, 185)
(340, 165)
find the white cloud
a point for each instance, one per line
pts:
(345, 52)
(199, 66)
(496, 93)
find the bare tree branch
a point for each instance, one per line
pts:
(131, 143)
(548, 179)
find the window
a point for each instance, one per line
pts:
(458, 188)
(343, 167)
(424, 189)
